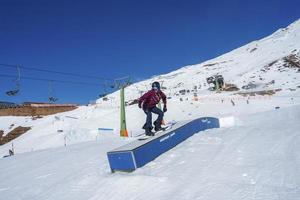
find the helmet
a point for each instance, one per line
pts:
(156, 85)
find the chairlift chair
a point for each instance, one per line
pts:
(15, 91)
(17, 80)
(53, 99)
(102, 95)
(12, 92)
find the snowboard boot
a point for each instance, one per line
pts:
(149, 132)
(158, 128)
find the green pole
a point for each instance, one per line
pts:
(123, 130)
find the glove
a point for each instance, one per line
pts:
(165, 109)
(140, 105)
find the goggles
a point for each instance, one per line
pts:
(155, 88)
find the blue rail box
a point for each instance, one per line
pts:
(140, 152)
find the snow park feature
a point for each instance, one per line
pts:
(138, 153)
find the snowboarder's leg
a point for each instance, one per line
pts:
(148, 125)
(159, 119)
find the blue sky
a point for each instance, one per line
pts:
(116, 38)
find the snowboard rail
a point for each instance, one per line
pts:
(138, 153)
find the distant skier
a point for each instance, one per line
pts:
(148, 103)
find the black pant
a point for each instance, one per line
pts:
(148, 112)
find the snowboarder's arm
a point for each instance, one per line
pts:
(164, 98)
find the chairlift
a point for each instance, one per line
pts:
(119, 82)
(14, 92)
(113, 85)
(17, 80)
(51, 98)
(217, 81)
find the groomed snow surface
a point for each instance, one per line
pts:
(258, 158)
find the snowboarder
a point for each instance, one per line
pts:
(148, 103)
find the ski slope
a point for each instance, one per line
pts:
(63, 156)
(257, 159)
(45, 132)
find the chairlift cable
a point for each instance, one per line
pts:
(54, 80)
(55, 72)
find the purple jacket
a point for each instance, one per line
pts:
(151, 98)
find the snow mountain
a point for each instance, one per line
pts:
(269, 63)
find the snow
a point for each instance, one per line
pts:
(256, 159)
(253, 156)
(9, 123)
(226, 121)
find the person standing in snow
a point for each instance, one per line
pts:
(148, 103)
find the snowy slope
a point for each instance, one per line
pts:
(257, 159)
(240, 66)
(250, 63)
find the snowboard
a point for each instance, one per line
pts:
(145, 137)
